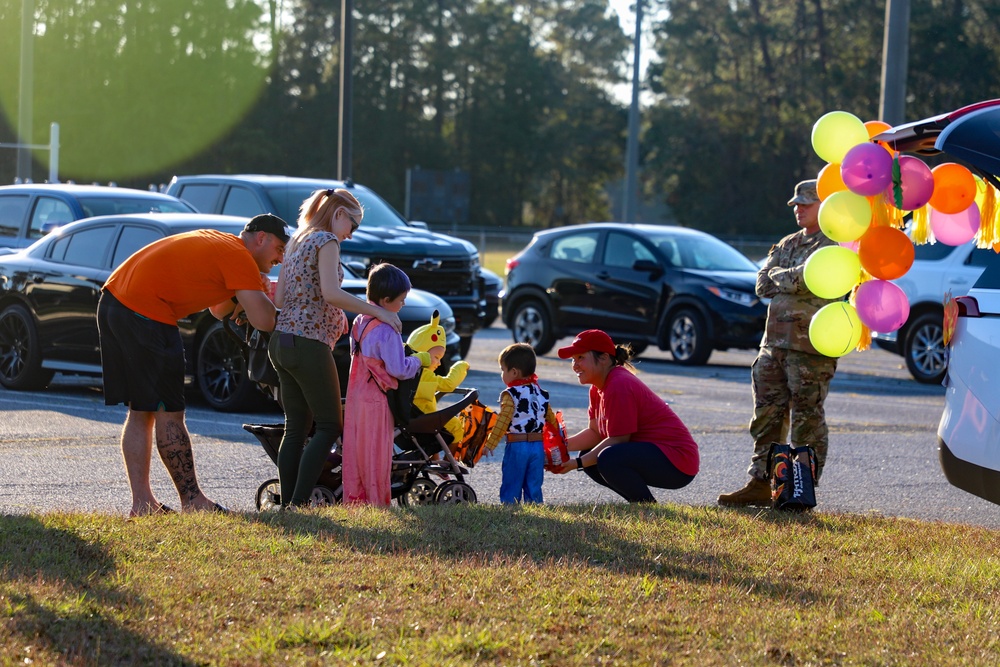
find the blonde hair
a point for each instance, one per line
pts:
(317, 211)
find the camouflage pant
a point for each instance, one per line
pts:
(789, 386)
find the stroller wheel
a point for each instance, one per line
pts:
(421, 492)
(269, 495)
(322, 496)
(454, 493)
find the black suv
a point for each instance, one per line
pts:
(443, 265)
(679, 289)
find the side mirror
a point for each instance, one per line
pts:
(649, 266)
(418, 224)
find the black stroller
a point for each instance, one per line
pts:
(421, 454)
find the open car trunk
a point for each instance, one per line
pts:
(970, 134)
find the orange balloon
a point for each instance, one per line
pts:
(885, 252)
(954, 188)
(829, 181)
(876, 127)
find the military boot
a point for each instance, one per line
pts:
(757, 492)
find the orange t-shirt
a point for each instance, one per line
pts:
(182, 274)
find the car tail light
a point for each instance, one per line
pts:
(967, 306)
(512, 263)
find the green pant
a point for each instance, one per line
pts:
(789, 386)
(310, 390)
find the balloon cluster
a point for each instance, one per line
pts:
(865, 189)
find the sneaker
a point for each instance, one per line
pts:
(757, 492)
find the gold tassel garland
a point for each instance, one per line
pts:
(921, 229)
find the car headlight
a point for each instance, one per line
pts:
(742, 298)
(448, 324)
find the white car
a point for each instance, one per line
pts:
(969, 431)
(937, 270)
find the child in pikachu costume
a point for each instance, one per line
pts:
(424, 339)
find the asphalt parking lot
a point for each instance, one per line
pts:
(59, 448)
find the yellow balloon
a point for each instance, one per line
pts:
(837, 132)
(835, 329)
(831, 272)
(980, 191)
(845, 216)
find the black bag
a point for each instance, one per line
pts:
(401, 398)
(793, 474)
(259, 366)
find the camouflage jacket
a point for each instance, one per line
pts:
(792, 304)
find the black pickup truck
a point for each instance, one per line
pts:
(443, 265)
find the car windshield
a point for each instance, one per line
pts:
(109, 205)
(705, 253)
(288, 199)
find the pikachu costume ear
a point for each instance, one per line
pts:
(430, 335)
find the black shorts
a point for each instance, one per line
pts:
(142, 360)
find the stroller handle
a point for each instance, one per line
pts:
(433, 422)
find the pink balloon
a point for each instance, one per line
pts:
(851, 245)
(955, 228)
(881, 305)
(917, 183)
(866, 169)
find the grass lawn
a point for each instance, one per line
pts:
(494, 585)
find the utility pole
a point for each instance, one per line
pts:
(26, 89)
(895, 56)
(630, 200)
(346, 121)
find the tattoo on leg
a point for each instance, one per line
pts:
(175, 451)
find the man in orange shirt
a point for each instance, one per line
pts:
(142, 355)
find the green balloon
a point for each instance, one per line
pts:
(845, 216)
(835, 133)
(831, 272)
(835, 329)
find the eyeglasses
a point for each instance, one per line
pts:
(354, 223)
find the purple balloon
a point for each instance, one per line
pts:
(881, 305)
(955, 228)
(918, 184)
(867, 169)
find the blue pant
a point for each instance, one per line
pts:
(523, 469)
(630, 468)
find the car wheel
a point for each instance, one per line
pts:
(221, 373)
(464, 345)
(20, 351)
(924, 350)
(687, 337)
(531, 324)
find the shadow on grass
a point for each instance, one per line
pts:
(575, 536)
(78, 578)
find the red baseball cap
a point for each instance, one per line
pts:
(591, 340)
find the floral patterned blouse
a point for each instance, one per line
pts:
(305, 313)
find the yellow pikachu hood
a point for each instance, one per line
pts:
(430, 335)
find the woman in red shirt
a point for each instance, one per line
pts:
(634, 440)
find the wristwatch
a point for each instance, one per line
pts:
(579, 462)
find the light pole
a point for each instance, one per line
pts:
(895, 54)
(632, 146)
(26, 88)
(346, 120)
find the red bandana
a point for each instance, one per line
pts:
(531, 379)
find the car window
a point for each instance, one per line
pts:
(241, 201)
(12, 210)
(112, 205)
(201, 196)
(932, 251)
(990, 278)
(50, 213)
(980, 257)
(575, 247)
(702, 252)
(131, 239)
(288, 199)
(84, 248)
(624, 251)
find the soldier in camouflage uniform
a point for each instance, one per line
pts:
(790, 378)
